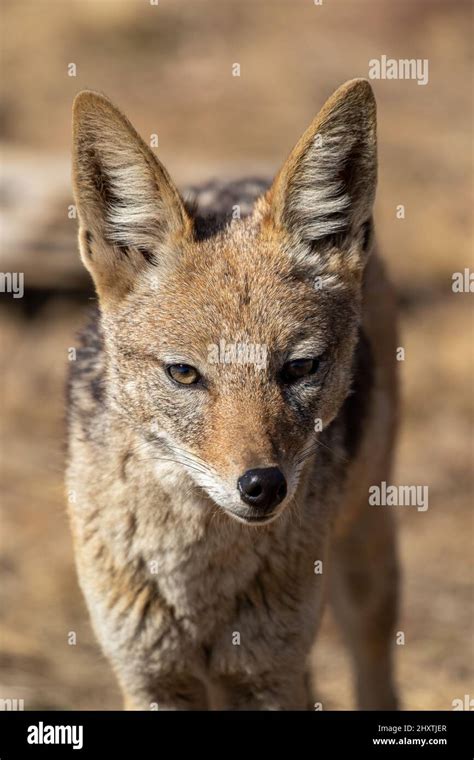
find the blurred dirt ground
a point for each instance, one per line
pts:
(169, 68)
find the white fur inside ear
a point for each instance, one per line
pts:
(318, 203)
(124, 193)
(134, 213)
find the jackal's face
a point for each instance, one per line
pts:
(230, 354)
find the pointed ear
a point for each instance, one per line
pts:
(129, 210)
(322, 197)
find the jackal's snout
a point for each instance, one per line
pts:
(262, 488)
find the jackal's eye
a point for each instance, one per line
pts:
(183, 374)
(297, 369)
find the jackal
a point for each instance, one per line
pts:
(219, 500)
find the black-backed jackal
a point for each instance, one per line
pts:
(230, 407)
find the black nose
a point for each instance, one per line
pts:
(263, 488)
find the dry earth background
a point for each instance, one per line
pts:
(169, 68)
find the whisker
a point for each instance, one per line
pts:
(311, 449)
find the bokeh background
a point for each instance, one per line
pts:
(169, 67)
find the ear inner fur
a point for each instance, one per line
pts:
(125, 198)
(325, 190)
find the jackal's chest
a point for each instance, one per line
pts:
(199, 575)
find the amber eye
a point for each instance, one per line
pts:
(183, 374)
(298, 368)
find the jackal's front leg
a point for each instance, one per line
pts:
(167, 704)
(264, 693)
(364, 596)
(183, 693)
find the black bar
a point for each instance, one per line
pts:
(319, 734)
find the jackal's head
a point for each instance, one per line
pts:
(230, 353)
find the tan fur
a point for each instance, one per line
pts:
(172, 573)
